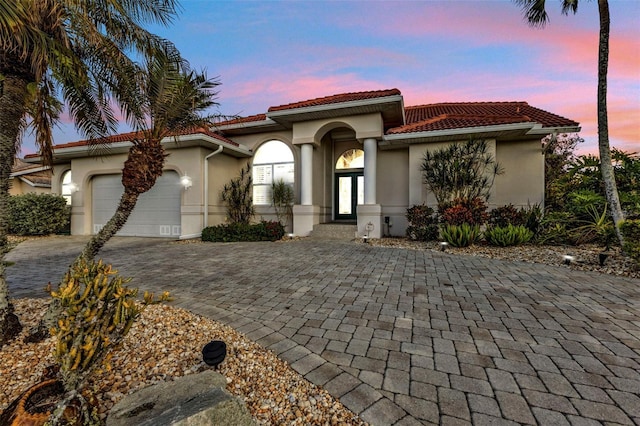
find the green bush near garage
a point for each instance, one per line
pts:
(38, 214)
(235, 232)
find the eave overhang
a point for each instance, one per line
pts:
(391, 108)
(248, 127)
(63, 154)
(513, 131)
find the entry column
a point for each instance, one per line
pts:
(305, 214)
(306, 174)
(370, 173)
(370, 213)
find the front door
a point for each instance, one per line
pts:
(349, 193)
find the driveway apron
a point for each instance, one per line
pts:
(400, 337)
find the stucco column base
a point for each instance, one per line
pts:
(304, 217)
(370, 213)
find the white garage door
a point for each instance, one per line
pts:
(157, 213)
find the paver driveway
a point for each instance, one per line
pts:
(402, 336)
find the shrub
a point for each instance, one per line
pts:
(460, 170)
(460, 235)
(631, 233)
(532, 218)
(473, 212)
(554, 229)
(510, 235)
(238, 197)
(38, 214)
(423, 223)
(597, 228)
(506, 215)
(283, 199)
(234, 232)
(97, 312)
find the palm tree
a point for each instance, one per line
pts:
(174, 99)
(536, 15)
(75, 50)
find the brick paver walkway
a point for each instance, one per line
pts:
(402, 337)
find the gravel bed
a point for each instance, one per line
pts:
(165, 343)
(585, 257)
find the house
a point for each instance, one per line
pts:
(352, 157)
(26, 177)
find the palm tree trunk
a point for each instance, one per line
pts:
(12, 106)
(125, 207)
(606, 167)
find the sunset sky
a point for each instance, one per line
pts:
(268, 53)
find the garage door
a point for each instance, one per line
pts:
(157, 213)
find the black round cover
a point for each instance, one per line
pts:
(214, 352)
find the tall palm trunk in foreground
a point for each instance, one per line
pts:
(76, 50)
(12, 97)
(536, 15)
(606, 168)
(141, 170)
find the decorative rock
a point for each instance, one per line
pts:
(193, 400)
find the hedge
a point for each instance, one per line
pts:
(234, 232)
(38, 214)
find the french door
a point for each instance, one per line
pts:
(349, 192)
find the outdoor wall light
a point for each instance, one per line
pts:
(73, 188)
(443, 245)
(186, 181)
(566, 259)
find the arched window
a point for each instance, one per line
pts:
(351, 159)
(272, 161)
(68, 187)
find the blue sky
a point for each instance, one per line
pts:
(268, 53)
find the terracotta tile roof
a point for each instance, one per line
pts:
(451, 121)
(239, 120)
(124, 137)
(334, 99)
(445, 116)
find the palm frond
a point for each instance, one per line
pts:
(534, 12)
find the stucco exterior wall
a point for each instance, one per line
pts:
(222, 168)
(522, 183)
(418, 193)
(182, 160)
(393, 189)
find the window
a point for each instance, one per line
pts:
(68, 187)
(351, 159)
(272, 161)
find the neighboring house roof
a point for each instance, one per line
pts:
(31, 174)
